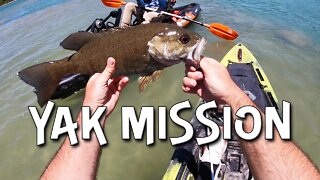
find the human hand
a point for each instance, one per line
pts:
(102, 90)
(212, 82)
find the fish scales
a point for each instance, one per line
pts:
(130, 52)
(144, 49)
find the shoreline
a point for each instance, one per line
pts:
(6, 2)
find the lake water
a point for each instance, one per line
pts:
(284, 36)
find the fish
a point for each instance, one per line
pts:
(143, 50)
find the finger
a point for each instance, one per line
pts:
(113, 81)
(186, 89)
(109, 70)
(114, 97)
(117, 79)
(190, 67)
(189, 90)
(207, 63)
(123, 83)
(118, 83)
(188, 82)
(197, 75)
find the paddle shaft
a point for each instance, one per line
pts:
(180, 17)
(215, 28)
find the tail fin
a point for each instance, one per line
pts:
(39, 77)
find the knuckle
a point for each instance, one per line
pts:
(109, 70)
(185, 80)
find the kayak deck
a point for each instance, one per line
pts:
(239, 54)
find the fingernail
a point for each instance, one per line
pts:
(110, 62)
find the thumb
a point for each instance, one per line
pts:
(109, 70)
(207, 64)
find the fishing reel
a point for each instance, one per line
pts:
(100, 24)
(97, 25)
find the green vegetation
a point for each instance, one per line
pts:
(2, 2)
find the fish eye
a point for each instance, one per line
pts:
(184, 39)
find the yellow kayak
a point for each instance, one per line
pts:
(239, 54)
(185, 163)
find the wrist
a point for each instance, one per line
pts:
(92, 105)
(237, 99)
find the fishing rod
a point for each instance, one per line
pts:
(217, 29)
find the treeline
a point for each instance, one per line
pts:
(2, 2)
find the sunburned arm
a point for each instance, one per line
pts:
(270, 159)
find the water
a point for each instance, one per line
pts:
(284, 36)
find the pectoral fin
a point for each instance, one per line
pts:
(76, 40)
(147, 79)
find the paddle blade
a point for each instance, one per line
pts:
(222, 31)
(113, 3)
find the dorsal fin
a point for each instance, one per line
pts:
(115, 29)
(76, 40)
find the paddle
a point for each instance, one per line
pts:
(217, 29)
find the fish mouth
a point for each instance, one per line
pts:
(195, 52)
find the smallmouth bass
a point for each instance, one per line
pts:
(145, 50)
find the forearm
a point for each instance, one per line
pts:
(270, 159)
(278, 159)
(75, 162)
(81, 161)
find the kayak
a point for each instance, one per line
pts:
(69, 85)
(190, 11)
(187, 160)
(243, 67)
(73, 83)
